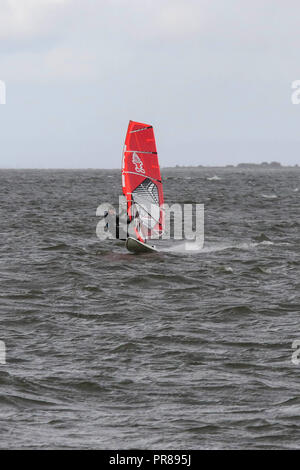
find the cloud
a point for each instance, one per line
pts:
(179, 19)
(76, 39)
(21, 19)
(199, 70)
(59, 63)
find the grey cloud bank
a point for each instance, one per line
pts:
(214, 78)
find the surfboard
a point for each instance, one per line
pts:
(135, 246)
(142, 184)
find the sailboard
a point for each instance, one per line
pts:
(142, 184)
(135, 246)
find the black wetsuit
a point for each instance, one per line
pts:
(117, 226)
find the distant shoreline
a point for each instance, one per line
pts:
(272, 165)
(239, 166)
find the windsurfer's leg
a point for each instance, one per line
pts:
(117, 227)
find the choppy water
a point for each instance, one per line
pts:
(107, 350)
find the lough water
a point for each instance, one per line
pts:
(184, 349)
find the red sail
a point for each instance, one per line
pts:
(141, 180)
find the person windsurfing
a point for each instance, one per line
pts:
(112, 214)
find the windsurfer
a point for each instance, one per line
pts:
(109, 216)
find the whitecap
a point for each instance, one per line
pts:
(213, 178)
(228, 269)
(269, 196)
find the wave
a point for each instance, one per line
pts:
(213, 178)
(187, 246)
(269, 196)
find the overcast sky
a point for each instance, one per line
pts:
(212, 76)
